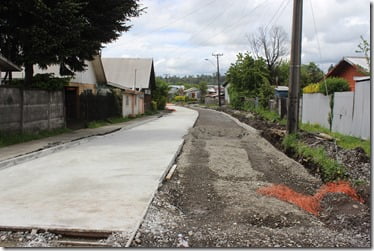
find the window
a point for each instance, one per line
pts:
(127, 100)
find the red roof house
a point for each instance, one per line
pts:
(350, 67)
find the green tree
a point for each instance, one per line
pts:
(246, 77)
(203, 88)
(282, 73)
(310, 73)
(64, 32)
(160, 94)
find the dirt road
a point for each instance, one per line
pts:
(212, 198)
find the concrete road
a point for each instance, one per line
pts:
(103, 184)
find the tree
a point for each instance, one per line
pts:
(364, 48)
(283, 72)
(64, 32)
(246, 77)
(271, 45)
(160, 94)
(310, 73)
(203, 88)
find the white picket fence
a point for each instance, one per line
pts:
(351, 114)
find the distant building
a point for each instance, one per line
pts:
(193, 93)
(349, 68)
(176, 90)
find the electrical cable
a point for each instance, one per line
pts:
(318, 43)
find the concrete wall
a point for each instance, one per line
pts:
(316, 109)
(31, 110)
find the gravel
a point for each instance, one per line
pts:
(211, 200)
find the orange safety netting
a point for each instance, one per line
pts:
(309, 203)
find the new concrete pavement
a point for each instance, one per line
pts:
(104, 184)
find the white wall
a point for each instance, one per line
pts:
(352, 111)
(343, 112)
(87, 76)
(126, 105)
(361, 111)
(316, 109)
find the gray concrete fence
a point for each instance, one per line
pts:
(31, 110)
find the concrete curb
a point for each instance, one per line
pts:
(171, 163)
(75, 142)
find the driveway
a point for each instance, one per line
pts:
(104, 184)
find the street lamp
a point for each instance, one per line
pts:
(217, 55)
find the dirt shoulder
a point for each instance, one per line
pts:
(212, 198)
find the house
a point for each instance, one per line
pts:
(350, 67)
(7, 66)
(132, 73)
(175, 90)
(87, 81)
(192, 93)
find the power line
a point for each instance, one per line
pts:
(318, 43)
(282, 11)
(276, 12)
(178, 19)
(240, 20)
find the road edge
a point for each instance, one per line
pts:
(171, 163)
(7, 163)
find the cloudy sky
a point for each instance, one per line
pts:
(180, 34)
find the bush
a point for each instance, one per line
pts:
(45, 81)
(180, 98)
(334, 85)
(154, 105)
(266, 92)
(161, 103)
(312, 88)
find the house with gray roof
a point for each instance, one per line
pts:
(131, 73)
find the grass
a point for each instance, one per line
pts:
(330, 169)
(7, 139)
(344, 141)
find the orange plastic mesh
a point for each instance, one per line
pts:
(309, 203)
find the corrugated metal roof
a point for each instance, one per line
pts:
(360, 61)
(6, 65)
(126, 72)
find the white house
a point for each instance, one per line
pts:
(136, 74)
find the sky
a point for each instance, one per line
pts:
(180, 34)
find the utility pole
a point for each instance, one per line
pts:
(217, 55)
(294, 84)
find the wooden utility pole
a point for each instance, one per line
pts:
(295, 63)
(218, 81)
